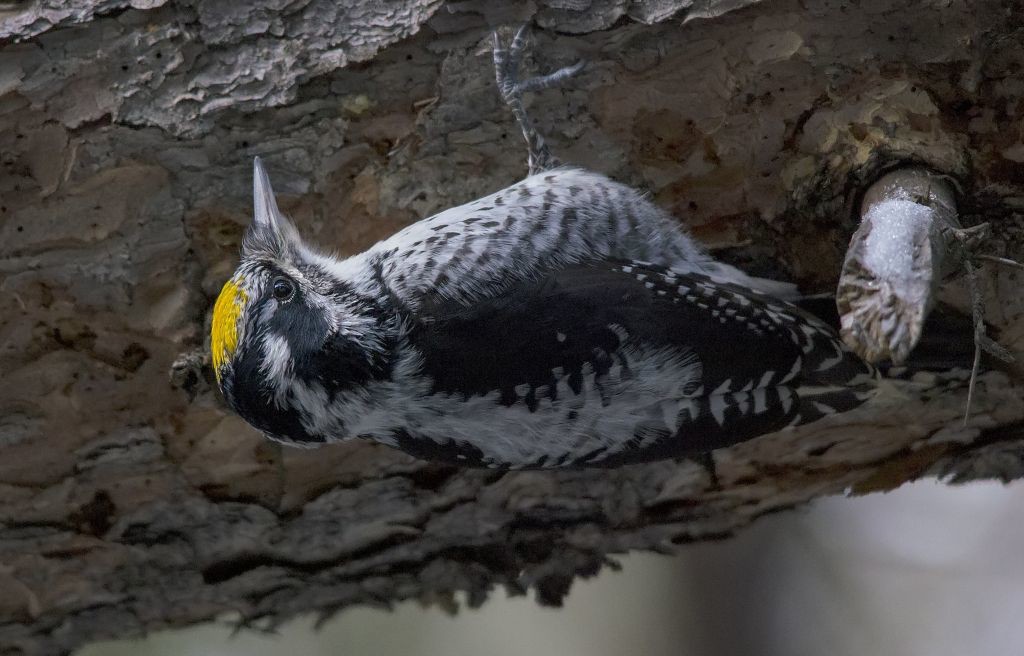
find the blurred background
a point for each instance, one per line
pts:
(926, 569)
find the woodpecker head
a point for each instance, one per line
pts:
(292, 329)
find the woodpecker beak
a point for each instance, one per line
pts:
(267, 215)
(271, 233)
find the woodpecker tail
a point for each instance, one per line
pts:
(834, 379)
(787, 291)
(818, 402)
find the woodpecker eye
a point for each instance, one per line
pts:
(283, 289)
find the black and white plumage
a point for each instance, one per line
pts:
(564, 321)
(519, 331)
(545, 221)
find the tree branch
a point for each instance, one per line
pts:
(129, 503)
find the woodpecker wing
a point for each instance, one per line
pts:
(735, 363)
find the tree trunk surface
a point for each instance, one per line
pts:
(131, 500)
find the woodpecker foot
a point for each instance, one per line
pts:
(507, 61)
(508, 58)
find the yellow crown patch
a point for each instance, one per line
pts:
(224, 331)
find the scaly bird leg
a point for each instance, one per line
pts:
(507, 61)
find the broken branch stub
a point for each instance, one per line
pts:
(906, 245)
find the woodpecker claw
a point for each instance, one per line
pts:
(542, 82)
(507, 61)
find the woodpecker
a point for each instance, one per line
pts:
(477, 338)
(561, 322)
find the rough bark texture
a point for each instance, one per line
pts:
(129, 499)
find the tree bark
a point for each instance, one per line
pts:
(131, 500)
